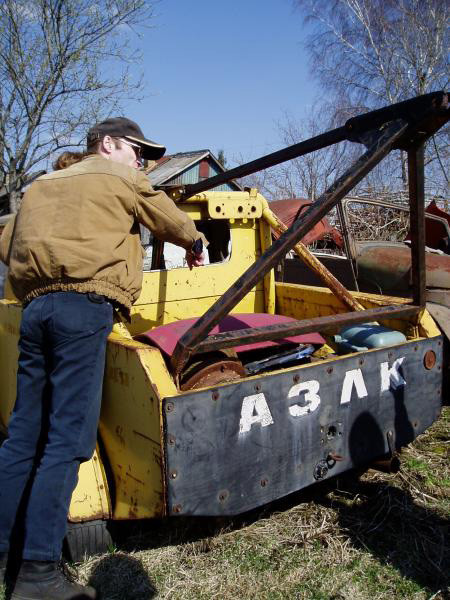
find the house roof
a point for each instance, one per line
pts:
(172, 165)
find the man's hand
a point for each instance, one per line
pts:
(194, 260)
(195, 256)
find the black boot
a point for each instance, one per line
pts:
(44, 581)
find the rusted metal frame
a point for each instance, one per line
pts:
(285, 243)
(412, 110)
(417, 222)
(328, 324)
(315, 265)
(348, 245)
(311, 145)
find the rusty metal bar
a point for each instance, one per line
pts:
(314, 263)
(311, 145)
(286, 242)
(349, 249)
(328, 324)
(412, 110)
(417, 223)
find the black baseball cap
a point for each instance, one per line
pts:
(128, 129)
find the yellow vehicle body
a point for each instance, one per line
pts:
(126, 478)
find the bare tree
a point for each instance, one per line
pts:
(309, 175)
(368, 53)
(64, 64)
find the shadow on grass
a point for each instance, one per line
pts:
(121, 577)
(376, 516)
(115, 577)
(387, 522)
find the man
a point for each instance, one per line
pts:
(73, 252)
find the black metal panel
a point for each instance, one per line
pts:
(213, 468)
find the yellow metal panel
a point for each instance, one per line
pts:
(269, 279)
(171, 295)
(10, 316)
(147, 316)
(235, 206)
(90, 499)
(130, 426)
(305, 302)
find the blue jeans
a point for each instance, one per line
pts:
(53, 427)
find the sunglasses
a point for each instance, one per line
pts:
(136, 148)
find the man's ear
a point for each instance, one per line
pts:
(107, 144)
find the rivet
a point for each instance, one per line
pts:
(296, 378)
(171, 440)
(264, 482)
(329, 370)
(257, 387)
(223, 495)
(173, 475)
(215, 395)
(170, 407)
(361, 361)
(177, 508)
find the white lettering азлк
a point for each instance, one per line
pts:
(312, 398)
(391, 376)
(353, 378)
(254, 410)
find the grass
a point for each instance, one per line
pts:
(378, 536)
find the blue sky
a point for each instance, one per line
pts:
(221, 74)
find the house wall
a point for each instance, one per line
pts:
(192, 175)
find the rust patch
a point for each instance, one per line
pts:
(158, 460)
(134, 478)
(118, 376)
(133, 508)
(397, 260)
(11, 329)
(119, 433)
(143, 436)
(207, 374)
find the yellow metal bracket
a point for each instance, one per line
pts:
(242, 207)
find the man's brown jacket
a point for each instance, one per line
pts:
(78, 229)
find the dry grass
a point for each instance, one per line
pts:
(377, 536)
